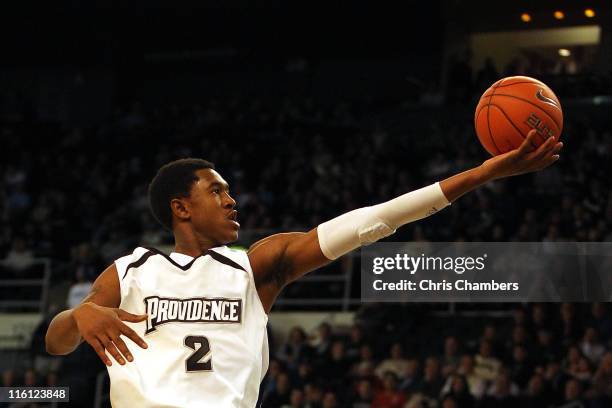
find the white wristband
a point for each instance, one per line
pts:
(369, 224)
(412, 206)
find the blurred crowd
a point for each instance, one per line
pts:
(79, 195)
(545, 356)
(405, 356)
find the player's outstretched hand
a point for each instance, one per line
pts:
(102, 328)
(525, 159)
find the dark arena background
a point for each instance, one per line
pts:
(309, 110)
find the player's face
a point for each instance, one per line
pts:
(212, 208)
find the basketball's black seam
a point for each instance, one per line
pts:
(533, 104)
(137, 263)
(480, 110)
(521, 82)
(514, 83)
(513, 125)
(489, 124)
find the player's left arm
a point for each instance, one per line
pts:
(282, 258)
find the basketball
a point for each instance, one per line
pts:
(513, 106)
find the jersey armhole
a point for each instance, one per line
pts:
(121, 264)
(252, 282)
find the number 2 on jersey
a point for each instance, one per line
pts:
(201, 349)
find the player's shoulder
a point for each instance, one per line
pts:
(236, 254)
(231, 251)
(137, 256)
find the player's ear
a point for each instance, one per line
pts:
(180, 209)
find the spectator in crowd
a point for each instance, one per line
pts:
(274, 370)
(569, 330)
(396, 363)
(501, 394)
(520, 317)
(600, 317)
(323, 341)
(8, 378)
(572, 398)
(313, 396)
(535, 396)
(545, 349)
(366, 363)
(449, 402)
(459, 390)
(281, 394)
(79, 289)
(432, 383)
(296, 349)
(521, 368)
(19, 259)
(330, 400)
(583, 371)
(43, 363)
(490, 334)
(572, 358)
(450, 358)
(477, 384)
(364, 395)
(85, 262)
(519, 337)
(602, 380)
(411, 381)
(296, 400)
(486, 366)
(388, 396)
(554, 375)
(303, 375)
(590, 346)
(539, 320)
(356, 341)
(334, 369)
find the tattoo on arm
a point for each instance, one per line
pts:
(279, 272)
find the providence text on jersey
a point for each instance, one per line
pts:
(193, 310)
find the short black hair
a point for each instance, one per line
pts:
(173, 180)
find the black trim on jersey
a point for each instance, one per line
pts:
(224, 260)
(214, 255)
(138, 263)
(185, 267)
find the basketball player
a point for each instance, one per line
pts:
(203, 309)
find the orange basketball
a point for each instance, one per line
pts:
(513, 106)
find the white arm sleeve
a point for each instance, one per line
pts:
(369, 224)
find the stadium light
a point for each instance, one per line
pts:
(590, 13)
(564, 52)
(559, 15)
(525, 18)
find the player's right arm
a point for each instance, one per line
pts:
(98, 321)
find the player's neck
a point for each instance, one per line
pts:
(190, 244)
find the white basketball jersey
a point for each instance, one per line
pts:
(206, 331)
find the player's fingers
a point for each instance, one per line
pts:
(99, 349)
(528, 144)
(130, 317)
(557, 147)
(132, 335)
(110, 347)
(544, 148)
(120, 344)
(548, 161)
